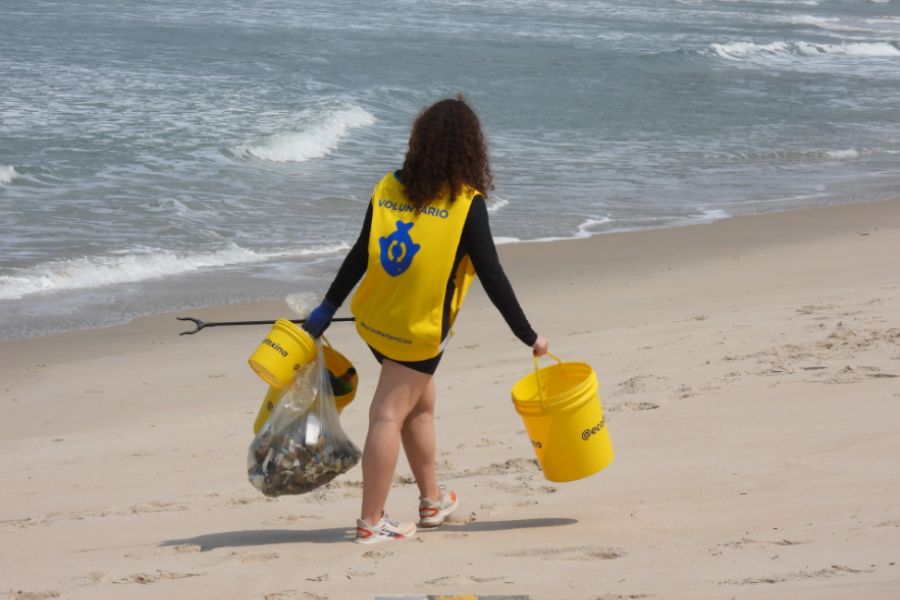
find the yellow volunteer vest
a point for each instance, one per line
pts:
(399, 304)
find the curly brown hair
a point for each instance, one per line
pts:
(446, 152)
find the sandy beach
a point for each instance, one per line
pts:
(749, 368)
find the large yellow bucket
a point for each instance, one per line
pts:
(281, 353)
(336, 363)
(563, 416)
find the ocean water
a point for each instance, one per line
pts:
(161, 155)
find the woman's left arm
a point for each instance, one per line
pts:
(480, 247)
(352, 269)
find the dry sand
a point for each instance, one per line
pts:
(749, 369)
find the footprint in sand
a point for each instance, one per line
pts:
(832, 571)
(294, 595)
(511, 466)
(255, 557)
(891, 523)
(458, 519)
(641, 383)
(283, 595)
(632, 406)
(486, 442)
(744, 542)
(570, 553)
(810, 309)
(359, 573)
(846, 375)
(291, 519)
(147, 578)
(683, 392)
(95, 577)
(774, 369)
(465, 579)
(246, 500)
(731, 376)
(156, 506)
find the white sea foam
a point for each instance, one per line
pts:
(496, 203)
(850, 153)
(825, 23)
(710, 215)
(871, 49)
(584, 230)
(7, 174)
(744, 50)
(319, 139)
(506, 240)
(737, 50)
(799, 155)
(137, 265)
(776, 2)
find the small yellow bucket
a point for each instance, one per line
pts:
(563, 416)
(340, 368)
(281, 353)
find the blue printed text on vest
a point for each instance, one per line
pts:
(412, 208)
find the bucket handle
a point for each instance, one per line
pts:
(537, 374)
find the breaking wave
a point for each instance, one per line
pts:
(7, 174)
(799, 155)
(138, 265)
(319, 139)
(750, 50)
(496, 203)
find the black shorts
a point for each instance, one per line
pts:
(427, 366)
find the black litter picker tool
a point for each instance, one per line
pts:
(203, 324)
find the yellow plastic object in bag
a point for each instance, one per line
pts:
(345, 381)
(284, 350)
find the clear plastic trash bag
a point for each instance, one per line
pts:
(301, 446)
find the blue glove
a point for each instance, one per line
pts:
(320, 318)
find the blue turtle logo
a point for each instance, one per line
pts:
(398, 250)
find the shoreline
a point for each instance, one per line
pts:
(512, 248)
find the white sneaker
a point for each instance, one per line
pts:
(432, 513)
(383, 531)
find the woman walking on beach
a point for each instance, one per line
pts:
(425, 235)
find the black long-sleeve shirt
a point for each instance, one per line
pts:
(476, 242)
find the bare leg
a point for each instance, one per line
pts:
(397, 393)
(418, 443)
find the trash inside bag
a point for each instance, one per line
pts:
(302, 446)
